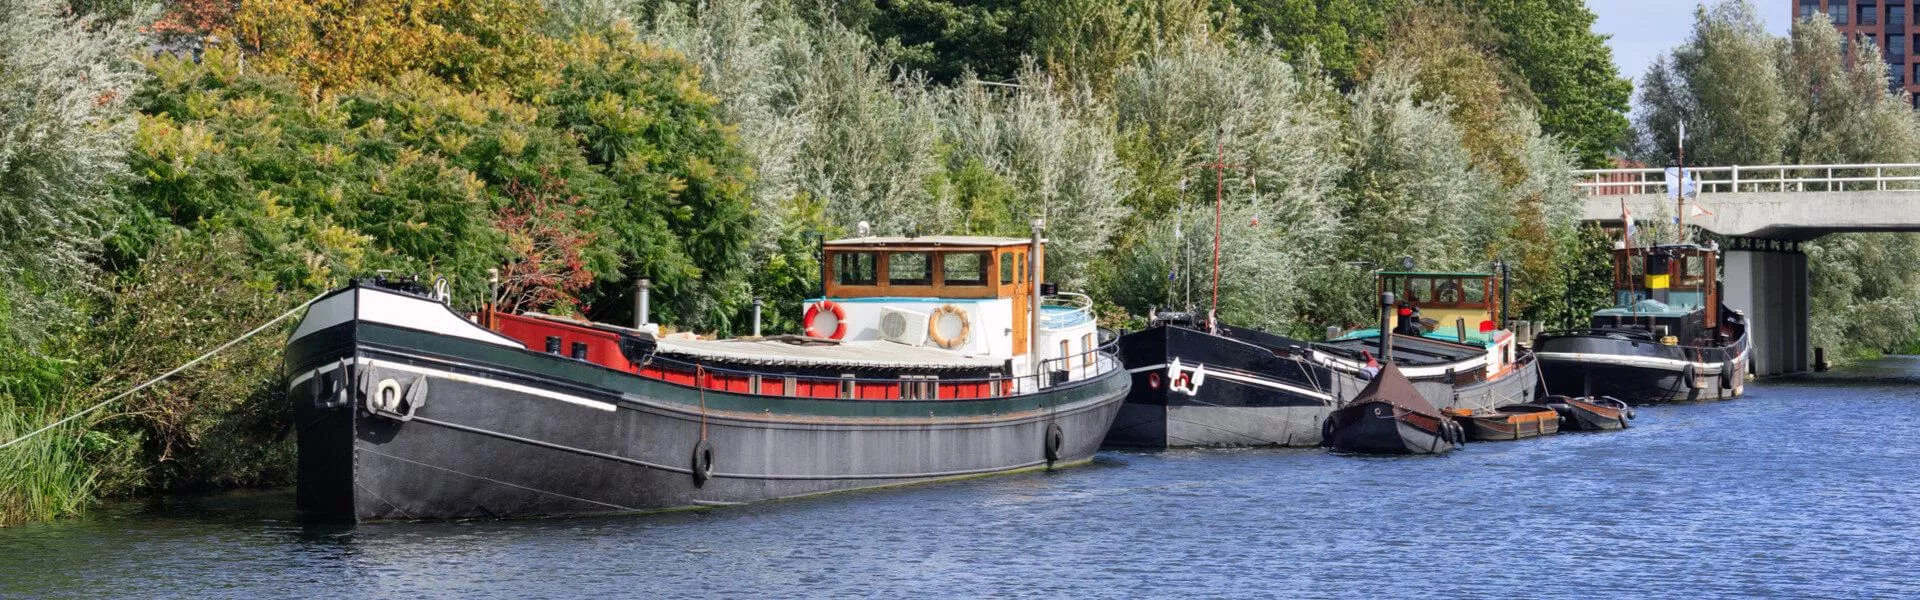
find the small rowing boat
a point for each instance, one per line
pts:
(1604, 413)
(1508, 422)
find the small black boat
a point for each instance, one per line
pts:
(1390, 417)
(1604, 413)
(1513, 422)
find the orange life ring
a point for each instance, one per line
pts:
(940, 339)
(839, 319)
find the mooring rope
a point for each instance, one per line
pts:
(163, 376)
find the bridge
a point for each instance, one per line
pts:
(1767, 211)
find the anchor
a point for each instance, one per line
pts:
(1185, 380)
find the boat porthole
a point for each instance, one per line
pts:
(1055, 439)
(702, 463)
(1153, 380)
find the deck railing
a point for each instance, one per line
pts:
(1082, 366)
(1751, 179)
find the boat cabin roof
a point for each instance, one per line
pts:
(929, 242)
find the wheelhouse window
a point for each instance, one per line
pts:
(1006, 269)
(909, 268)
(964, 268)
(855, 268)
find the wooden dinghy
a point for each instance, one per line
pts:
(1508, 422)
(1603, 413)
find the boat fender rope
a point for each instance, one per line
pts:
(1055, 439)
(163, 376)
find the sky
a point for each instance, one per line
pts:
(1643, 29)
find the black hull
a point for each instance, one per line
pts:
(1249, 392)
(511, 433)
(1374, 428)
(1256, 394)
(1594, 363)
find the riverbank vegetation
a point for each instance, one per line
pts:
(221, 162)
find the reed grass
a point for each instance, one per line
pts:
(46, 477)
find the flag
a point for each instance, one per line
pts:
(1626, 217)
(1681, 182)
(1696, 210)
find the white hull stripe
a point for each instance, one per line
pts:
(1624, 360)
(1231, 376)
(463, 378)
(1464, 366)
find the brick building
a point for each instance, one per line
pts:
(1890, 24)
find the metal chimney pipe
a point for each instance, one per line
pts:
(642, 302)
(756, 317)
(1386, 328)
(1036, 257)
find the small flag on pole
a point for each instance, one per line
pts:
(1627, 218)
(1696, 210)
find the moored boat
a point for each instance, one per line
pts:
(1508, 422)
(1589, 414)
(1228, 387)
(1449, 339)
(928, 365)
(1668, 337)
(1390, 417)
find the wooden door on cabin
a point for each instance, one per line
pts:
(1013, 279)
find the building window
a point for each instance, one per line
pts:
(1896, 15)
(1837, 13)
(1899, 77)
(1806, 11)
(1897, 46)
(1869, 15)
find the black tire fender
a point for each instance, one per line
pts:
(702, 463)
(1054, 440)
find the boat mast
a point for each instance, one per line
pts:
(1680, 189)
(1219, 167)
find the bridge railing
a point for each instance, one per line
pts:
(1768, 178)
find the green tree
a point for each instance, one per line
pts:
(1725, 84)
(1336, 31)
(1570, 71)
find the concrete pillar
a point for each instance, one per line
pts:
(1769, 284)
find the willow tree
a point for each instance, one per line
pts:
(64, 128)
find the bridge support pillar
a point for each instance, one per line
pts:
(1767, 280)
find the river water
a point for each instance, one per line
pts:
(1805, 488)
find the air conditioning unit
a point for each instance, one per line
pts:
(903, 326)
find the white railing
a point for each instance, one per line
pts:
(1769, 178)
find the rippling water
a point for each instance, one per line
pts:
(1805, 488)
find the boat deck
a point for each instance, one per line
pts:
(1407, 350)
(804, 352)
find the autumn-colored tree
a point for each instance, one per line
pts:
(335, 44)
(193, 18)
(547, 268)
